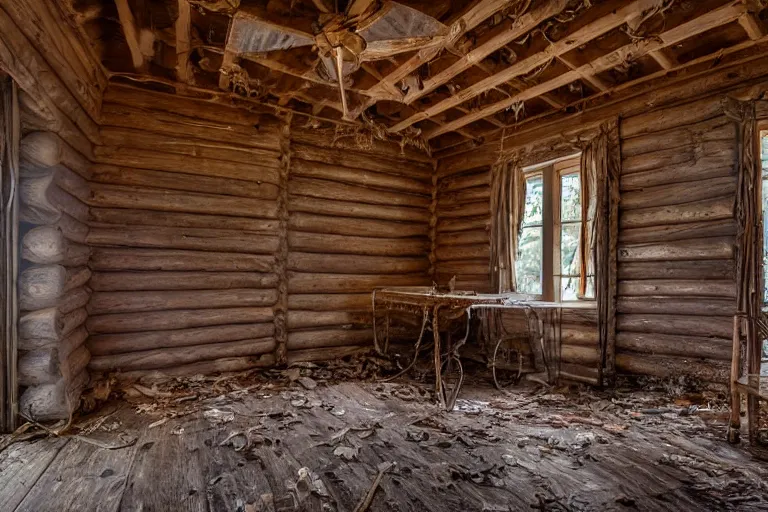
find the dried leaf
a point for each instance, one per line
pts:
(217, 416)
(307, 382)
(158, 423)
(346, 452)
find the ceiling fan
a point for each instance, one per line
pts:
(367, 30)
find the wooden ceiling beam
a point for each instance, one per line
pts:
(183, 43)
(752, 25)
(582, 36)
(228, 61)
(137, 47)
(504, 34)
(490, 119)
(479, 12)
(371, 70)
(715, 18)
(742, 62)
(590, 79)
(663, 59)
(464, 133)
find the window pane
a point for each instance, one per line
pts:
(569, 249)
(765, 228)
(590, 287)
(570, 197)
(764, 152)
(534, 201)
(528, 264)
(569, 288)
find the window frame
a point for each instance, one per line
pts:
(527, 175)
(552, 173)
(562, 168)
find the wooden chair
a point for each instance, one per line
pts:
(745, 376)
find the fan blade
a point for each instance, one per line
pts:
(358, 7)
(251, 33)
(397, 29)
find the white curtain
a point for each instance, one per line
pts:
(507, 207)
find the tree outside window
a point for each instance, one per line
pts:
(548, 262)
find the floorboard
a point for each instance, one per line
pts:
(22, 465)
(81, 473)
(166, 473)
(283, 448)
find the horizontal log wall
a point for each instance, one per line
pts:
(183, 231)
(462, 250)
(572, 350)
(677, 242)
(677, 235)
(222, 239)
(357, 221)
(463, 224)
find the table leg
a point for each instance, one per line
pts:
(438, 366)
(386, 334)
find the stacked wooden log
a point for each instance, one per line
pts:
(52, 284)
(463, 251)
(358, 220)
(184, 229)
(207, 257)
(463, 223)
(676, 290)
(572, 348)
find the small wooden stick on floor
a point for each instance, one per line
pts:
(368, 499)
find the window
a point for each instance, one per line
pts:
(548, 263)
(528, 265)
(570, 230)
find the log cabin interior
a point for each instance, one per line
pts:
(427, 255)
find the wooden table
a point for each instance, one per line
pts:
(428, 301)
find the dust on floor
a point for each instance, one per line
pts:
(309, 442)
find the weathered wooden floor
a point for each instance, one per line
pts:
(245, 452)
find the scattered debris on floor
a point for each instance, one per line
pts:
(302, 439)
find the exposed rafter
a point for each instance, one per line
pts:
(490, 66)
(752, 25)
(715, 18)
(605, 105)
(663, 59)
(482, 10)
(582, 36)
(502, 35)
(590, 78)
(140, 43)
(183, 43)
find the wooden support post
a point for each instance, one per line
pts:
(140, 42)
(227, 62)
(734, 424)
(752, 26)
(183, 45)
(280, 308)
(663, 59)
